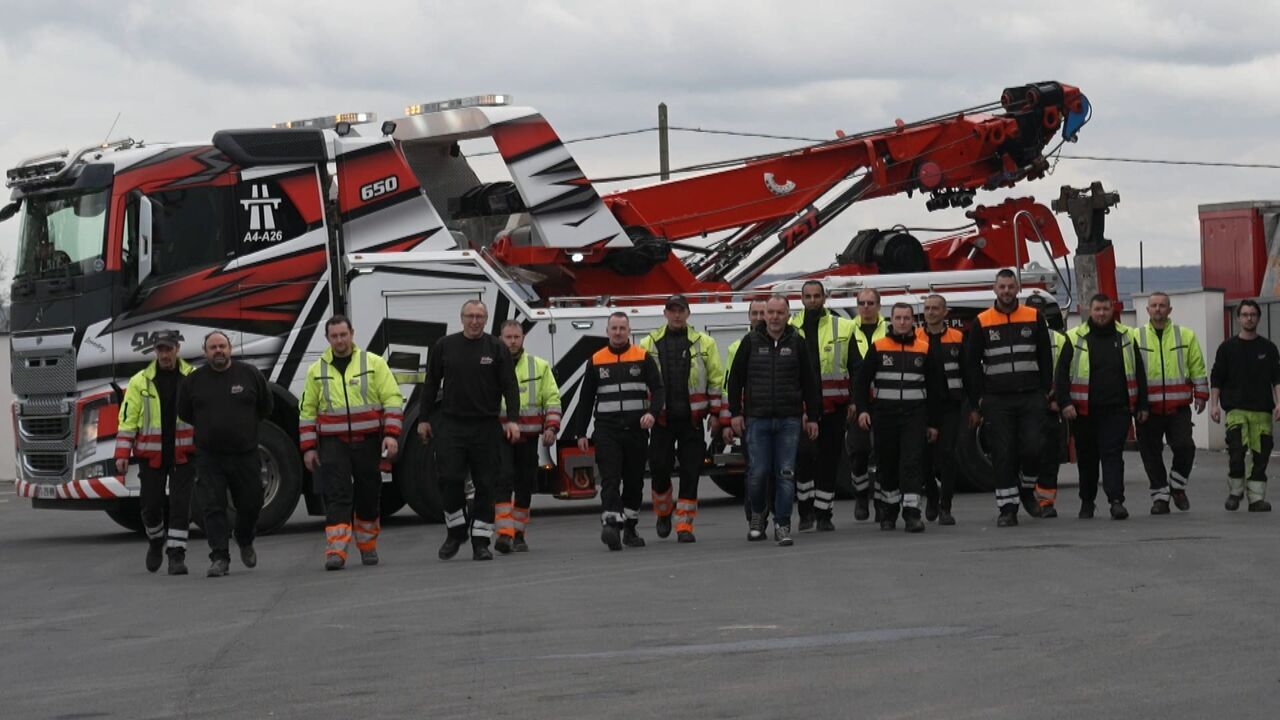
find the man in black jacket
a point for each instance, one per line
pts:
(224, 401)
(772, 385)
(477, 373)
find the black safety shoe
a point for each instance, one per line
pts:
(664, 526)
(248, 556)
(1160, 507)
(369, 558)
(611, 535)
(218, 568)
(1180, 500)
(631, 538)
(155, 554)
(177, 562)
(1048, 512)
(913, 524)
(825, 524)
(945, 517)
(888, 524)
(1007, 519)
(1086, 511)
(861, 505)
(1259, 506)
(519, 545)
(806, 523)
(503, 544)
(1118, 512)
(1233, 502)
(334, 561)
(480, 550)
(930, 509)
(1029, 502)
(449, 547)
(685, 536)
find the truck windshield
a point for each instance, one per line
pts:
(62, 234)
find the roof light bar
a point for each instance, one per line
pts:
(327, 122)
(455, 103)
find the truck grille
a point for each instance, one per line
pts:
(44, 428)
(46, 463)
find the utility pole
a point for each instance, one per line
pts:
(664, 154)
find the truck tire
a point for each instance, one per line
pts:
(734, 484)
(976, 471)
(281, 482)
(128, 515)
(416, 479)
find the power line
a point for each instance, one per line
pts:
(1157, 161)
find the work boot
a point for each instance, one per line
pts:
(862, 505)
(806, 522)
(334, 561)
(155, 554)
(782, 535)
(503, 544)
(611, 535)
(755, 528)
(887, 524)
(219, 567)
(664, 526)
(1118, 512)
(945, 517)
(519, 545)
(1160, 507)
(1181, 501)
(177, 561)
(1086, 510)
(1233, 502)
(1029, 502)
(686, 536)
(630, 536)
(825, 524)
(450, 547)
(480, 549)
(913, 522)
(1048, 512)
(1008, 518)
(931, 509)
(248, 556)
(370, 557)
(1259, 506)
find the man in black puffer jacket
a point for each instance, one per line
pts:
(771, 387)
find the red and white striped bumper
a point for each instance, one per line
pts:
(89, 489)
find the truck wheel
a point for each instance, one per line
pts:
(391, 500)
(734, 484)
(281, 482)
(128, 515)
(416, 478)
(976, 471)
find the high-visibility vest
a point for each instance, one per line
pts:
(1175, 367)
(363, 400)
(622, 393)
(952, 342)
(1058, 340)
(141, 428)
(1079, 372)
(706, 374)
(834, 337)
(1010, 362)
(882, 329)
(900, 373)
(539, 396)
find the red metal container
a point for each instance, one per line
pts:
(1235, 246)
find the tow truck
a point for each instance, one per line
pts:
(264, 232)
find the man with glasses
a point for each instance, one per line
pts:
(1245, 381)
(871, 326)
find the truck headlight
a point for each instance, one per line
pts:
(97, 419)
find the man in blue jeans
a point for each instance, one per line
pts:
(771, 388)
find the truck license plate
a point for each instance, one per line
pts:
(46, 492)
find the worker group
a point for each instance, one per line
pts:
(795, 394)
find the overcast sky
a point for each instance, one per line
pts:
(1178, 80)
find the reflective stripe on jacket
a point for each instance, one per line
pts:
(1079, 371)
(141, 430)
(949, 346)
(1175, 367)
(364, 400)
(900, 372)
(539, 396)
(706, 374)
(835, 335)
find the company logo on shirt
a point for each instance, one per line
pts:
(886, 360)
(1026, 332)
(486, 360)
(919, 362)
(237, 389)
(993, 335)
(635, 371)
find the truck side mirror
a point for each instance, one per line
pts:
(144, 238)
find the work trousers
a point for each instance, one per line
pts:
(941, 466)
(1248, 431)
(901, 439)
(1174, 428)
(469, 446)
(816, 485)
(237, 474)
(620, 457)
(1053, 451)
(352, 484)
(168, 517)
(858, 444)
(684, 440)
(519, 475)
(1100, 438)
(1012, 427)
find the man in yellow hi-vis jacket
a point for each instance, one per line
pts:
(350, 417)
(151, 431)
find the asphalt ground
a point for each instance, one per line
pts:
(1169, 617)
